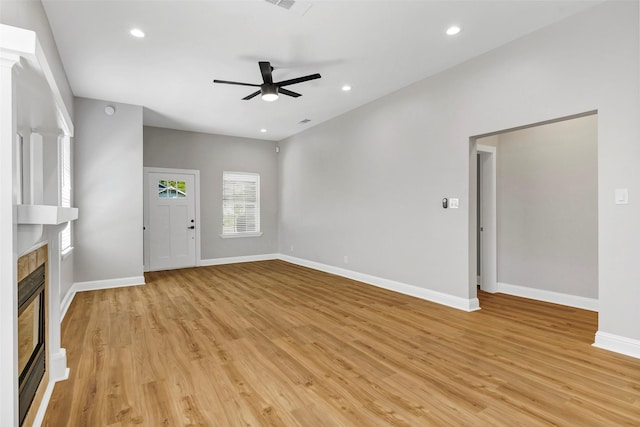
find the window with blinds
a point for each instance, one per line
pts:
(240, 204)
(65, 190)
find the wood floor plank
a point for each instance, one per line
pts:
(275, 344)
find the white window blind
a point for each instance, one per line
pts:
(65, 189)
(240, 203)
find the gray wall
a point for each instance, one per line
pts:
(368, 184)
(547, 188)
(108, 191)
(211, 155)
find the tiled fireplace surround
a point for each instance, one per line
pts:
(27, 264)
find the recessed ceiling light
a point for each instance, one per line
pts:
(263, 130)
(136, 32)
(453, 30)
(346, 88)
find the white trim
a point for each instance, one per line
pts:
(95, 285)
(486, 148)
(44, 404)
(488, 214)
(58, 365)
(66, 302)
(34, 247)
(549, 296)
(66, 253)
(236, 235)
(58, 372)
(237, 259)
(25, 43)
(470, 304)
(618, 344)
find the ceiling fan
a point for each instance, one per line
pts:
(270, 89)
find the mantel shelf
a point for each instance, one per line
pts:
(45, 214)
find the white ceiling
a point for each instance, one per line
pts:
(377, 47)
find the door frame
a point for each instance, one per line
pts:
(196, 180)
(488, 207)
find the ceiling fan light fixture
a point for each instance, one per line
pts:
(269, 93)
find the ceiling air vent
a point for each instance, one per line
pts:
(299, 7)
(303, 121)
(286, 4)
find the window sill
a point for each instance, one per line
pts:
(66, 253)
(236, 235)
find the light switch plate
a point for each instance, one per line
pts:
(622, 196)
(454, 203)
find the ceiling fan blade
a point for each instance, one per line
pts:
(265, 69)
(298, 80)
(288, 92)
(253, 95)
(235, 83)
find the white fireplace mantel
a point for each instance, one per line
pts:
(45, 214)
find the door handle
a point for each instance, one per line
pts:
(192, 227)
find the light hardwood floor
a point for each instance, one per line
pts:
(274, 344)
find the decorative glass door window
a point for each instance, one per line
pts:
(172, 189)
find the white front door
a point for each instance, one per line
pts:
(171, 220)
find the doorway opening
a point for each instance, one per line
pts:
(533, 211)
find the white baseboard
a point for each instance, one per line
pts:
(58, 366)
(42, 410)
(95, 285)
(237, 259)
(58, 372)
(618, 344)
(403, 288)
(66, 302)
(584, 303)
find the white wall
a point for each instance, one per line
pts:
(369, 184)
(108, 192)
(211, 155)
(547, 187)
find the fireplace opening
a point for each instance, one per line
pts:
(31, 337)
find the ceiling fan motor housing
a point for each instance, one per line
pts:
(269, 92)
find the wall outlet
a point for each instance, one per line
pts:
(291, 248)
(346, 259)
(454, 203)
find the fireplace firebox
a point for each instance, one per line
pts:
(31, 337)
